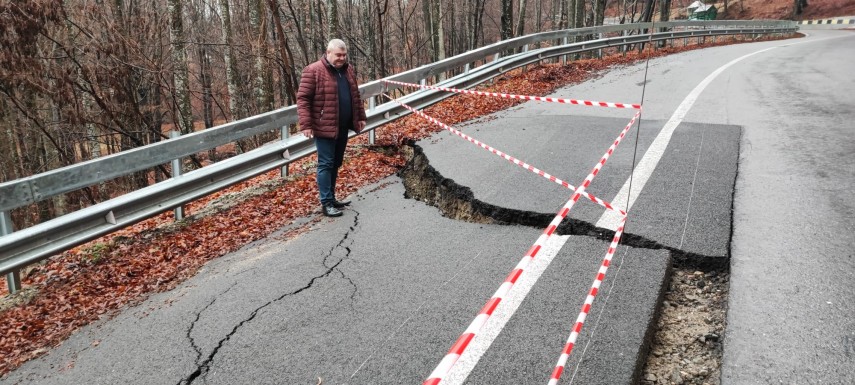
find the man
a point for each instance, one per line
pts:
(329, 105)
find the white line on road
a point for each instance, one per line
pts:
(651, 158)
(503, 313)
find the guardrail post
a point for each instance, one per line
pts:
(564, 57)
(600, 51)
(284, 134)
(176, 172)
(372, 103)
(524, 50)
(13, 279)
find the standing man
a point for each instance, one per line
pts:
(329, 105)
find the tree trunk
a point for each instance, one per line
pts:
(507, 19)
(647, 13)
(332, 20)
(475, 24)
(298, 26)
(287, 64)
(579, 21)
(799, 7)
(381, 11)
(263, 90)
(665, 15)
(438, 29)
(665, 10)
(521, 18)
(599, 10)
(231, 68)
(426, 15)
(180, 77)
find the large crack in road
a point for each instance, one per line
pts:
(204, 366)
(424, 183)
(687, 344)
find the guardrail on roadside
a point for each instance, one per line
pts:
(33, 244)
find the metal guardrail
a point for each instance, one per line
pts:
(30, 245)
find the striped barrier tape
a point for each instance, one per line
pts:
(521, 97)
(586, 307)
(510, 158)
(472, 330)
(462, 342)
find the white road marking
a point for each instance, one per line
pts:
(460, 371)
(496, 323)
(651, 158)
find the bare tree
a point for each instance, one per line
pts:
(332, 19)
(235, 103)
(799, 7)
(381, 11)
(180, 75)
(507, 19)
(263, 90)
(521, 18)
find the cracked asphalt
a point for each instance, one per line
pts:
(379, 295)
(203, 367)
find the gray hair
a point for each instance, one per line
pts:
(336, 43)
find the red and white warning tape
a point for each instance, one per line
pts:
(586, 307)
(486, 312)
(522, 97)
(463, 341)
(510, 158)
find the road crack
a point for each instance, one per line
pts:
(204, 366)
(424, 183)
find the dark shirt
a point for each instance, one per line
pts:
(345, 104)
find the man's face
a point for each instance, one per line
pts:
(337, 57)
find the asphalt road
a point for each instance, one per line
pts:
(380, 295)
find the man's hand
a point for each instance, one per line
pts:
(361, 125)
(307, 133)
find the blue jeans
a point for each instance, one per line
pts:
(330, 158)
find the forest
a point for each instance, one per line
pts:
(81, 79)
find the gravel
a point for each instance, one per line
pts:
(687, 346)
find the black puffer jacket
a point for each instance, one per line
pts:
(317, 99)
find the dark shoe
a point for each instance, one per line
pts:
(341, 204)
(331, 211)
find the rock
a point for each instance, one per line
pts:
(712, 337)
(650, 377)
(703, 372)
(701, 284)
(699, 274)
(676, 378)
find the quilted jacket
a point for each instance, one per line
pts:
(317, 99)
